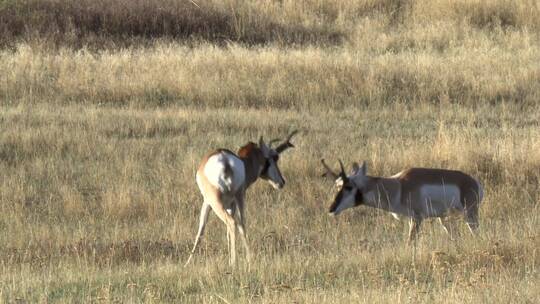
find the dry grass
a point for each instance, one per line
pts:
(101, 203)
(175, 75)
(119, 23)
(99, 145)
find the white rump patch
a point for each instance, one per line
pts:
(215, 172)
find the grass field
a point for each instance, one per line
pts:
(106, 111)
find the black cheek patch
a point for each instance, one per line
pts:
(358, 198)
(336, 202)
(264, 171)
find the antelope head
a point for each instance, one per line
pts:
(350, 187)
(270, 171)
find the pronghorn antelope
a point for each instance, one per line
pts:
(417, 193)
(223, 178)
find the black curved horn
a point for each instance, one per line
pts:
(286, 144)
(329, 172)
(342, 173)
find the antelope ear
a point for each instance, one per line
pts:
(364, 168)
(264, 148)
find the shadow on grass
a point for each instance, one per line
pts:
(122, 23)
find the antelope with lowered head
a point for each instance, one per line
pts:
(417, 193)
(223, 178)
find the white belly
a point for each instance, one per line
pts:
(439, 200)
(215, 172)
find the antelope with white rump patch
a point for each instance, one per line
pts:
(417, 193)
(223, 178)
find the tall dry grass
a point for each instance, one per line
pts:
(107, 108)
(120, 23)
(100, 204)
(436, 52)
(272, 77)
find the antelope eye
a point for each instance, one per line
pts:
(275, 157)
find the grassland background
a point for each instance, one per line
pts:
(108, 106)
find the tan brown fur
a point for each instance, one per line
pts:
(402, 194)
(412, 179)
(225, 202)
(220, 202)
(253, 161)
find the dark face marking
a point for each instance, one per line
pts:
(264, 172)
(266, 165)
(269, 162)
(347, 188)
(358, 198)
(336, 202)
